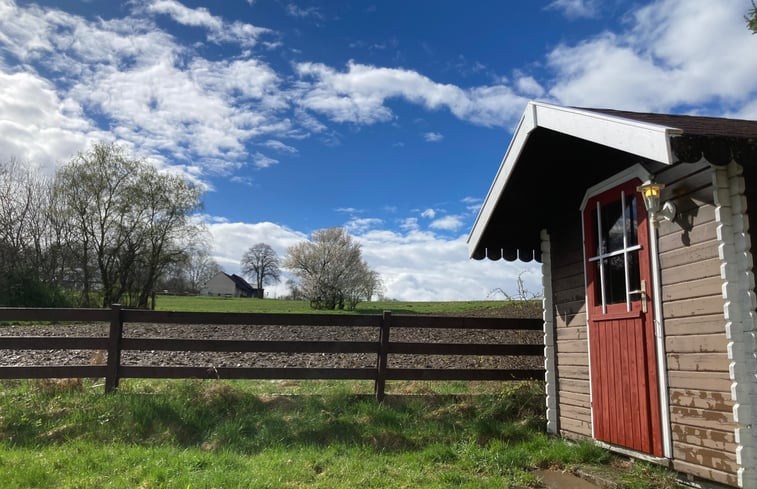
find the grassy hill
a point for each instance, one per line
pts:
(457, 308)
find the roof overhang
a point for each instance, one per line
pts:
(643, 140)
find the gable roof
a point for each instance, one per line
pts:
(241, 283)
(558, 151)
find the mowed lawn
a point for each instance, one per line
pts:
(288, 434)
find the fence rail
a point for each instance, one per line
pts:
(115, 343)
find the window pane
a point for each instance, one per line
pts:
(612, 227)
(615, 277)
(632, 223)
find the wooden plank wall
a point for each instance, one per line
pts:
(699, 383)
(571, 343)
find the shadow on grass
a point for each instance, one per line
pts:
(218, 416)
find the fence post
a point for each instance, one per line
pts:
(114, 348)
(386, 321)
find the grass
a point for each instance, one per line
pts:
(236, 304)
(262, 434)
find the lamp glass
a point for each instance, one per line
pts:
(651, 193)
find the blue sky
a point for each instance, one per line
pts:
(389, 118)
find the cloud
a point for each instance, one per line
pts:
(429, 213)
(447, 223)
(574, 9)
(262, 161)
(362, 225)
(303, 13)
(39, 127)
(673, 57)
(218, 30)
(419, 266)
(359, 94)
(433, 137)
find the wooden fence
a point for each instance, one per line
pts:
(382, 347)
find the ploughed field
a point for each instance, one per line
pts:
(270, 333)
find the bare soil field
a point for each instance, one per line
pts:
(269, 333)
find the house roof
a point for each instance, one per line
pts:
(241, 283)
(557, 152)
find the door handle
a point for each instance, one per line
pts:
(643, 292)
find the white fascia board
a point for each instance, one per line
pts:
(525, 126)
(647, 140)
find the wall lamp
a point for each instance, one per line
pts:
(651, 192)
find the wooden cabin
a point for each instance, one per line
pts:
(649, 303)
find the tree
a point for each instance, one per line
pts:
(129, 222)
(262, 264)
(31, 258)
(751, 18)
(331, 270)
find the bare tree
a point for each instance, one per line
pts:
(262, 264)
(330, 269)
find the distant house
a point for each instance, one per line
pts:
(225, 285)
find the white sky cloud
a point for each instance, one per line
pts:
(218, 30)
(675, 53)
(447, 223)
(433, 137)
(429, 213)
(262, 161)
(573, 9)
(358, 95)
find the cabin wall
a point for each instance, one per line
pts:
(699, 385)
(700, 404)
(571, 345)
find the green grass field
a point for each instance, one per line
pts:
(309, 434)
(221, 304)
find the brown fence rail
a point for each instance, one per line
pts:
(115, 343)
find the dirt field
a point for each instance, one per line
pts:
(290, 333)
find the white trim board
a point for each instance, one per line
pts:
(651, 141)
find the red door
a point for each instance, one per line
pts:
(624, 388)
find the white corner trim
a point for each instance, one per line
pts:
(738, 292)
(550, 355)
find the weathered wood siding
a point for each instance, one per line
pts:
(698, 380)
(571, 345)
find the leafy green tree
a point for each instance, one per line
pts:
(128, 222)
(751, 18)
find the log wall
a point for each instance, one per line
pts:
(701, 410)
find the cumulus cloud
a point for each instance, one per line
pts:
(39, 127)
(429, 213)
(675, 54)
(420, 266)
(433, 137)
(447, 223)
(359, 94)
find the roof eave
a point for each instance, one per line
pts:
(650, 141)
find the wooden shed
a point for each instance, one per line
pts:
(649, 315)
